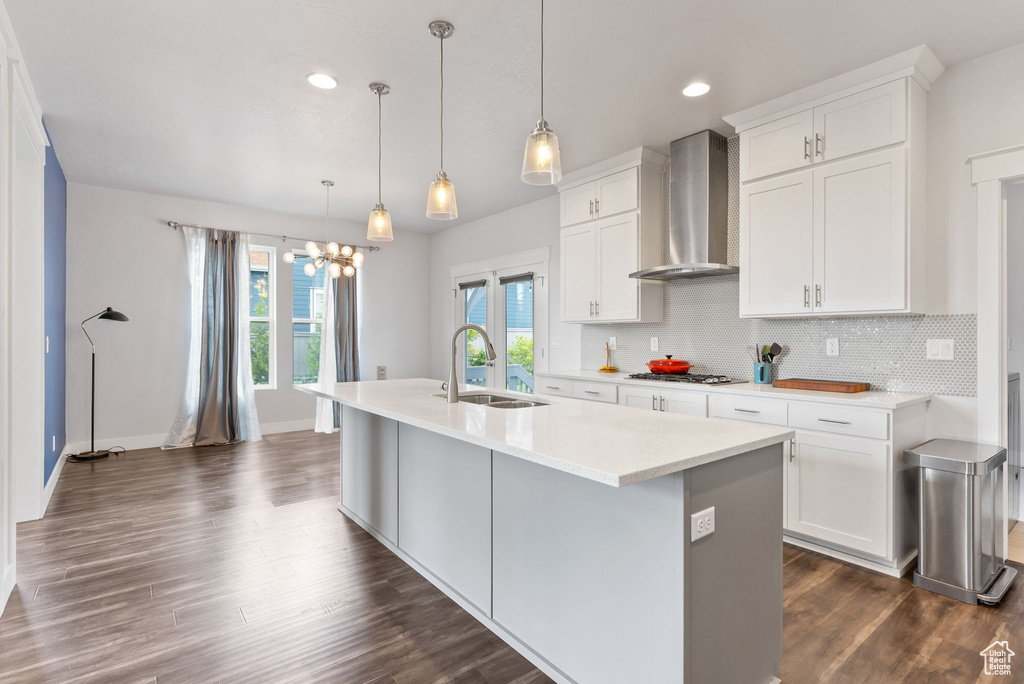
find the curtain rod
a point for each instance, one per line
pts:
(175, 225)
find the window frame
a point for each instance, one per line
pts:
(302, 254)
(271, 318)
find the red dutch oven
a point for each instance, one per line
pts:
(668, 365)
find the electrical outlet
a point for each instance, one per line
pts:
(611, 343)
(654, 344)
(382, 372)
(832, 346)
(939, 350)
(702, 524)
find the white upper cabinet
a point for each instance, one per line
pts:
(611, 227)
(832, 194)
(859, 123)
(776, 221)
(778, 146)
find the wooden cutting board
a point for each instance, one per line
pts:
(823, 385)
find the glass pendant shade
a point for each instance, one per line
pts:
(312, 249)
(289, 257)
(309, 269)
(335, 269)
(378, 228)
(333, 249)
(441, 199)
(541, 162)
(357, 259)
(349, 271)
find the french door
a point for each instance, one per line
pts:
(504, 302)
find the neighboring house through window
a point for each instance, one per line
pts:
(261, 315)
(307, 313)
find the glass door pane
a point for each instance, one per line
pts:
(519, 336)
(474, 358)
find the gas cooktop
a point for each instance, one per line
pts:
(689, 378)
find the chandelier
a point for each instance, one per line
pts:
(338, 259)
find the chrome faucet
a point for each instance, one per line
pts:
(452, 386)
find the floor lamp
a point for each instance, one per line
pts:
(107, 314)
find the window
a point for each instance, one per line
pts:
(261, 315)
(307, 313)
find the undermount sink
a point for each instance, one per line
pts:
(496, 401)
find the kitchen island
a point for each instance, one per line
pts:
(567, 528)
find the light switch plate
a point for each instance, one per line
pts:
(702, 524)
(654, 344)
(611, 343)
(939, 350)
(556, 342)
(832, 346)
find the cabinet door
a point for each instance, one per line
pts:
(618, 243)
(860, 234)
(776, 253)
(858, 123)
(684, 402)
(577, 204)
(579, 272)
(777, 146)
(838, 491)
(617, 193)
(638, 397)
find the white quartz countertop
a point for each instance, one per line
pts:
(604, 443)
(869, 399)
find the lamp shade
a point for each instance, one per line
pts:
(441, 199)
(378, 229)
(111, 315)
(542, 164)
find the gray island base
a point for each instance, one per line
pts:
(594, 584)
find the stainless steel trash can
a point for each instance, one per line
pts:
(961, 515)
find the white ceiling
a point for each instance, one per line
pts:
(208, 98)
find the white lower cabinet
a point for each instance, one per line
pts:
(678, 401)
(837, 491)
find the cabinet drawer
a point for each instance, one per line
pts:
(839, 419)
(747, 408)
(596, 391)
(556, 386)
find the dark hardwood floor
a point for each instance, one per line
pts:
(232, 564)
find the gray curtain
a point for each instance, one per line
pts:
(217, 407)
(346, 330)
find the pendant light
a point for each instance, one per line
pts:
(441, 196)
(541, 162)
(379, 227)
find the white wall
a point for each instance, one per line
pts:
(121, 254)
(1015, 277)
(527, 227)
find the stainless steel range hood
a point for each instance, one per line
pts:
(698, 218)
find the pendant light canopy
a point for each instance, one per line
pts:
(379, 227)
(542, 164)
(441, 196)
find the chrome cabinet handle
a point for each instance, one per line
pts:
(817, 295)
(663, 403)
(746, 410)
(818, 140)
(837, 422)
(792, 449)
(807, 296)
(591, 208)
(807, 147)
(597, 207)
(654, 402)
(590, 392)
(591, 308)
(597, 308)
(554, 387)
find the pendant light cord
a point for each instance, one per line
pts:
(542, 59)
(442, 101)
(327, 217)
(379, 153)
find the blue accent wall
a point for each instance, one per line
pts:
(55, 230)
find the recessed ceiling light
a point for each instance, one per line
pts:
(322, 81)
(696, 89)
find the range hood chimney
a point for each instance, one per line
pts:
(698, 220)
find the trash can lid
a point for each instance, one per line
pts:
(956, 456)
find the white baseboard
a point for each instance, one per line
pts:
(153, 441)
(51, 484)
(897, 569)
(10, 578)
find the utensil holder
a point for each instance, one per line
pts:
(763, 373)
